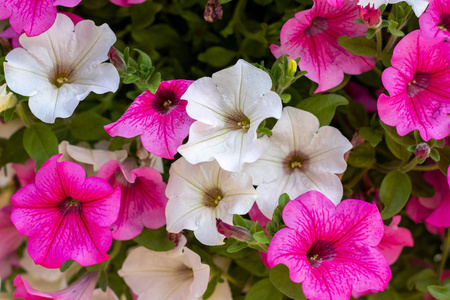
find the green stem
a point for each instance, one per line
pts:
(409, 166)
(356, 178)
(426, 168)
(379, 44)
(444, 256)
(22, 114)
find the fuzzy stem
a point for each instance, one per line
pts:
(444, 256)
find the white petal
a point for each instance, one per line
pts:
(99, 79)
(270, 192)
(327, 183)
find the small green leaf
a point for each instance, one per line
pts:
(279, 276)
(434, 155)
(370, 135)
(285, 98)
(358, 45)
(370, 33)
(394, 193)
(362, 156)
(103, 280)
(422, 280)
(40, 142)
(217, 56)
(400, 151)
(444, 161)
(323, 106)
(65, 265)
(155, 239)
(261, 237)
(393, 28)
(406, 140)
(263, 290)
(13, 150)
(440, 292)
(88, 126)
(238, 246)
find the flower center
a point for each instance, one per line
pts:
(165, 101)
(420, 82)
(320, 251)
(60, 75)
(212, 197)
(318, 25)
(238, 121)
(444, 22)
(294, 161)
(69, 205)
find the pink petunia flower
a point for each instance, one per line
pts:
(11, 240)
(418, 84)
(26, 172)
(435, 22)
(126, 2)
(32, 16)
(81, 289)
(394, 239)
(331, 249)
(433, 211)
(312, 35)
(66, 215)
(160, 119)
(143, 201)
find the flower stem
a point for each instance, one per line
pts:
(444, 256)
(409, 166)
(23, 115)
(379, 44)
(426, 168)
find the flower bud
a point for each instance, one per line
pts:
(213, 11)
(116, 60)
(7, 100)
(422, 151)
(292, 68)
(237, 232)
(370, 15)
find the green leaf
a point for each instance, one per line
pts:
(9, 114)
(143, 15)
(420, 187)
(217, 56)
(261, 237)
(88, 126)
(13, 150)
(211, 287)
(263, 290)
(253, 264)
(155, 239)
(154, 82)
(406, 140)
(357, 115)
(399, 151)
(40, 142)
(362, 156)
(444, 160)
(358, 45)
(434, 155)
(394, 193)
(118, 142)
(370, 33)
(440, 292)
(285, 98)
(393, 28)
(65, 265)
(323, 106)
(144, 60)
(370, 135)
(238, 246)
(279, 276)
(422, 280)
(103, 280)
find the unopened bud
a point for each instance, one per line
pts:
(237, 232)
(213, 11)
(422, 151)
(116, 60)
(370, 15)
(7, 100)
(174, 237)
(292, 68)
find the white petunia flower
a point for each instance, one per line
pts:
(60, 67)
(229, 108)
(177, 274)
(418, 6)
(199, 194)
(297, 158)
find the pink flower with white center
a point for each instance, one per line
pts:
(66, 215)
(331, 249)
(394, 239)
(160, 119)
(126, 2)
(143, 201)
(418, 84)
(32, 16)
(312, 35)
(435, 22)
(81, 289)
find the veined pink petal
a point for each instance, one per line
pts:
(159, 118)
(394, 239)
(32, 16)
(435, 22)
(126, 2)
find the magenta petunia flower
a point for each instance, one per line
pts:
(160, 119)
(32, 16)
(143, 201)
(312, 35)
(418, 84)
(394, 239)
(331, 249)
(66, 215)
(126, 2)
(435, 22)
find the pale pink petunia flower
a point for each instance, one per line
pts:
(394, 239)
(418, 84)
(143, 201)
(126, 2)
(66, 215)
(160, 119)
(435, 22)
(81, 289)
(11, 240)
(331, 249)
(312, 35)
(32, 16)
(26, 172)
